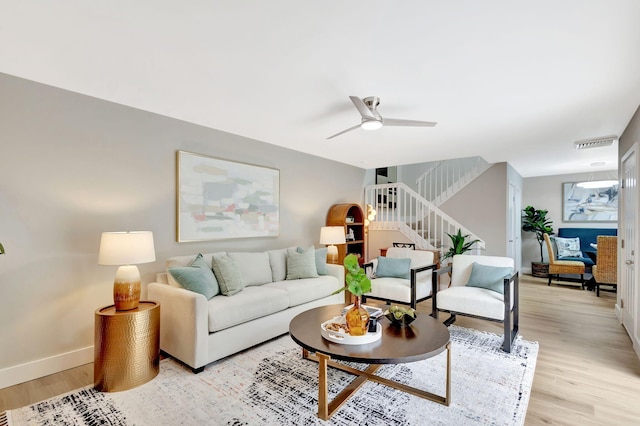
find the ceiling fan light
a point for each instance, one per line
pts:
(597, 184)
(371, 124)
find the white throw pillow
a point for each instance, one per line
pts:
(568, 247)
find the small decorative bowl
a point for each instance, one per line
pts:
(404, 320)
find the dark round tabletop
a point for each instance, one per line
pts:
(424, 338)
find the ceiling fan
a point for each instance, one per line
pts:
(372, 120)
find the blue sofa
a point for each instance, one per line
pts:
(587, 237)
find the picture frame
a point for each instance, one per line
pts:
(223, 199)
(590, 201)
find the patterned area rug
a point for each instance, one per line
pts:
(272, 385)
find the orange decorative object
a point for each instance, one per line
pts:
(126, 294)
(357, 319)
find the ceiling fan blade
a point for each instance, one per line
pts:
(364, 111)
(414, 123)
(344, 131)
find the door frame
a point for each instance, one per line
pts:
(632, 329)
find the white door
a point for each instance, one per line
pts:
(628, 294)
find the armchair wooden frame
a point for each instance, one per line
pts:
(511, 314)
(368, 267)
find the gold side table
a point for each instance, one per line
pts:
(127, 347)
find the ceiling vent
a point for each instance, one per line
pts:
(596, 142)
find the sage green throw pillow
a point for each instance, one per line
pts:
(321, 261)
(301, 263)
(228, 275)
(198, 277)
(393, 267)
(489, 277)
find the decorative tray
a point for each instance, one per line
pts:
(345, 338)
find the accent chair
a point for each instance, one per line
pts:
(605, 271)
(402, 276)
(557, 267)
(484, 287)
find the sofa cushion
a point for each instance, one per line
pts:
(568, 247)
(254, 267)
(399, 289)
(251, 303)
(198, 277)
(472, 300)
(489, 277)
(228, 275)
(278, 263)
(393, 267)
(306, 289)
(301, 263)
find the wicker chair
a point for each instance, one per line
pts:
(557, 267)
(605, 271)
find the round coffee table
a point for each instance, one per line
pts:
(424, 338)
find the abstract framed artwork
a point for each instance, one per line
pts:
(590, 201)
(222, 199)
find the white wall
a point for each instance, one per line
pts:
(72, 167)
(545, 192)
(481, 207)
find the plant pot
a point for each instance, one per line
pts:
(539, 269)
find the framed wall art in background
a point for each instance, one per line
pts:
(222, 199)
(590, 201)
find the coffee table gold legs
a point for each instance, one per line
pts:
(323, 404)
(327, 408)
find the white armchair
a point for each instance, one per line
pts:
(484, 287)
(407, 281)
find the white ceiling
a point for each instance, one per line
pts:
(507, 80)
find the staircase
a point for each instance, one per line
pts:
(400, 208)
(445, 178)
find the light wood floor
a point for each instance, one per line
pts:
(586, 374)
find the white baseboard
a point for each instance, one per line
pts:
(43, 367)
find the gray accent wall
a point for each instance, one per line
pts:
(72, 167)
(481, 207)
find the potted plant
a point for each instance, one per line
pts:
(358, 284)
(459, 244)
(536, 221)
(1, 249)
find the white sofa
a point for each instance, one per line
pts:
(198, 331)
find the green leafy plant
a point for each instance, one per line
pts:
(1, 249)
(357, 281)
(536, 221)
(459, 244)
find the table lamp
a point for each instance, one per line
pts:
(126, 249)
(331, 235)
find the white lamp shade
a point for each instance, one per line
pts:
(126, 248)
(332, 235)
